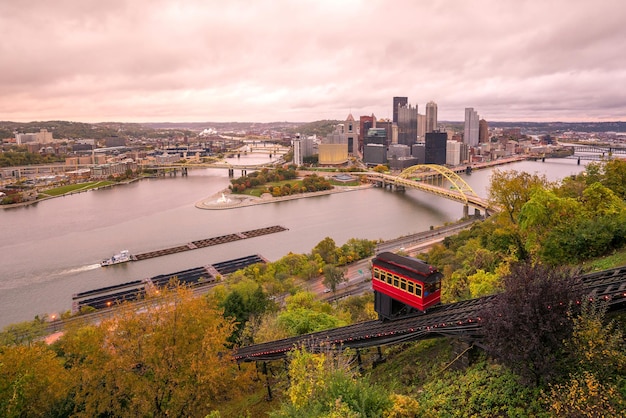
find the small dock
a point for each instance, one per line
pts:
(208, 242)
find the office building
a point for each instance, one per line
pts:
(308, 146)
(418, 151)
(421, 127)
(398, 102)
(398, 151)
(297, 150)
(375, 147)
(435, 148)
(483, 131)
(350, 131)
(407, 125)
(387, 125)
(453, 153)
(374, 154)
(365, 124)
(470, 133)
(334, 148)
(431, 116)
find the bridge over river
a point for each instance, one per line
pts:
(437, 180)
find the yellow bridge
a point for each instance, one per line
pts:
(433, 179)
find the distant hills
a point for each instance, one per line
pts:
(75, 130)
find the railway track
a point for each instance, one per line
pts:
(460, 319)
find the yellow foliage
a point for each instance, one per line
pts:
(483, 283)
(307, 374)
(403, 407)
(585, 396)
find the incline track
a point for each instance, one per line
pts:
(460, 319)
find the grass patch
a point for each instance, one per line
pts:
(343, 183)
(617, 259)
(58, 191)
(411, 365)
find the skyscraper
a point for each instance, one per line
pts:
(421, 126)
(431, 116)
(470, 133)
(365, 123)
(297, 150)
(351, 134)
(407, 125)
(436, 148)
(398, 102)
(483, 131)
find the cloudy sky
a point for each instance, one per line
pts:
(306, 60)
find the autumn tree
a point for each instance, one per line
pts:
(511, 189)
(327, 250)
(323, 385)
(525, 326)
(170, 359)
(33, 382)
(597, 356)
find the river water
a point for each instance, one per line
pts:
(52, 249)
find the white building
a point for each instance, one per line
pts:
(453, 152)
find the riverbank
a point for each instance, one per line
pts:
(43, 196)
(226, 200)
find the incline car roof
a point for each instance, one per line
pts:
(411, 267)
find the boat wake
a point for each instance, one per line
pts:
(79, 269)
(35, 278)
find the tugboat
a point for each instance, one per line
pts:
(122, 257)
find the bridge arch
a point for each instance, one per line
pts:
(457, 182)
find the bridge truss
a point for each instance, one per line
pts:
(432, 179)
(437, 175)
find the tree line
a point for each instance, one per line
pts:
(257, 179)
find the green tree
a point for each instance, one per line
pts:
(546, 214)
(615, 177)
(327, 250)
(333, 277)
(23, 332)
(511, 189)
(304, 314)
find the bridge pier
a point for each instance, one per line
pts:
(231, 173)
(184, 171)
(578, 163)
(465, 211)
(243, 173)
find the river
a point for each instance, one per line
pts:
(52, 249)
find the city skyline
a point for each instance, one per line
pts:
(301, 61)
